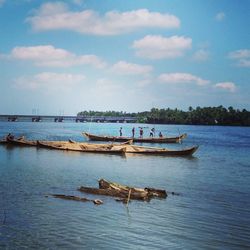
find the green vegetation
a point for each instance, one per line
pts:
(199, 116)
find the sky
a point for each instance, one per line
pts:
(62, 57)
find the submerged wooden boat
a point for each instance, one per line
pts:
(177, 139)
(125, 192)
(76, 198)
(3, 141)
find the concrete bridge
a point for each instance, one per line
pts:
(62, 118)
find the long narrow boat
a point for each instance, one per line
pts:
(21, 142)
(83, 147)
(117, 148)
(177, 139)
(103, 148)
(161, 151)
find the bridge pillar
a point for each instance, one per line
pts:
(79, 120)
(58, 119)
(12, 119)
(36, 119)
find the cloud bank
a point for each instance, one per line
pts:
(49, 81)
(49, 56)
(159, 47)
(179, 78)
(56, 16)
(242, 57)
(229, 86)
(126, 68)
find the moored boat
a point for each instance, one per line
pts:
(163, 139)
(161, 151)
(111, 148)
(21, 142)
(83, 147)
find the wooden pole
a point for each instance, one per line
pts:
(129, 193)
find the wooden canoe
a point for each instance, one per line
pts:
(133, 149)
(177, 139)
(21, 142)
(83, 147)
(102, 148)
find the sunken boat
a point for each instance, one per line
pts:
(124, 192)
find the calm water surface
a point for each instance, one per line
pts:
(212, 212)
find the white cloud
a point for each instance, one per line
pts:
(240, 54)
(229, 86)
(158, 47)
(201, 55)
(244, 63)
(49, 81)
(2, 3)
(54, 16)
(176, 78)
(126, 68)
(220, 16)
(242, 57)
(47, 55)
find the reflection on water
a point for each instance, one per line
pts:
(211, 212)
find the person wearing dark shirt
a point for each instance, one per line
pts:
(141, 132)
(133, 132)
(151, 132)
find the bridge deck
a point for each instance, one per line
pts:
(68, 118)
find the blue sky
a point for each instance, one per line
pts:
(61, 57)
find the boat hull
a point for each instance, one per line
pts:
(177, 139)
(82, 147)
(164, 152)
(21, 142)
(102, 148)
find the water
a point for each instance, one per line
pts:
(212, 212)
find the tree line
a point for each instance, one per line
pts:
(198, 116)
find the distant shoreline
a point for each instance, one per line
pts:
(207, 116)
(213, 116)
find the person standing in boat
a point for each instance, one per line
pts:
(151, 134)
(141, 132)
(120, 131)
(133, 132)
(160, 135)
(153, 130)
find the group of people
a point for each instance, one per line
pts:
(151, 134)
